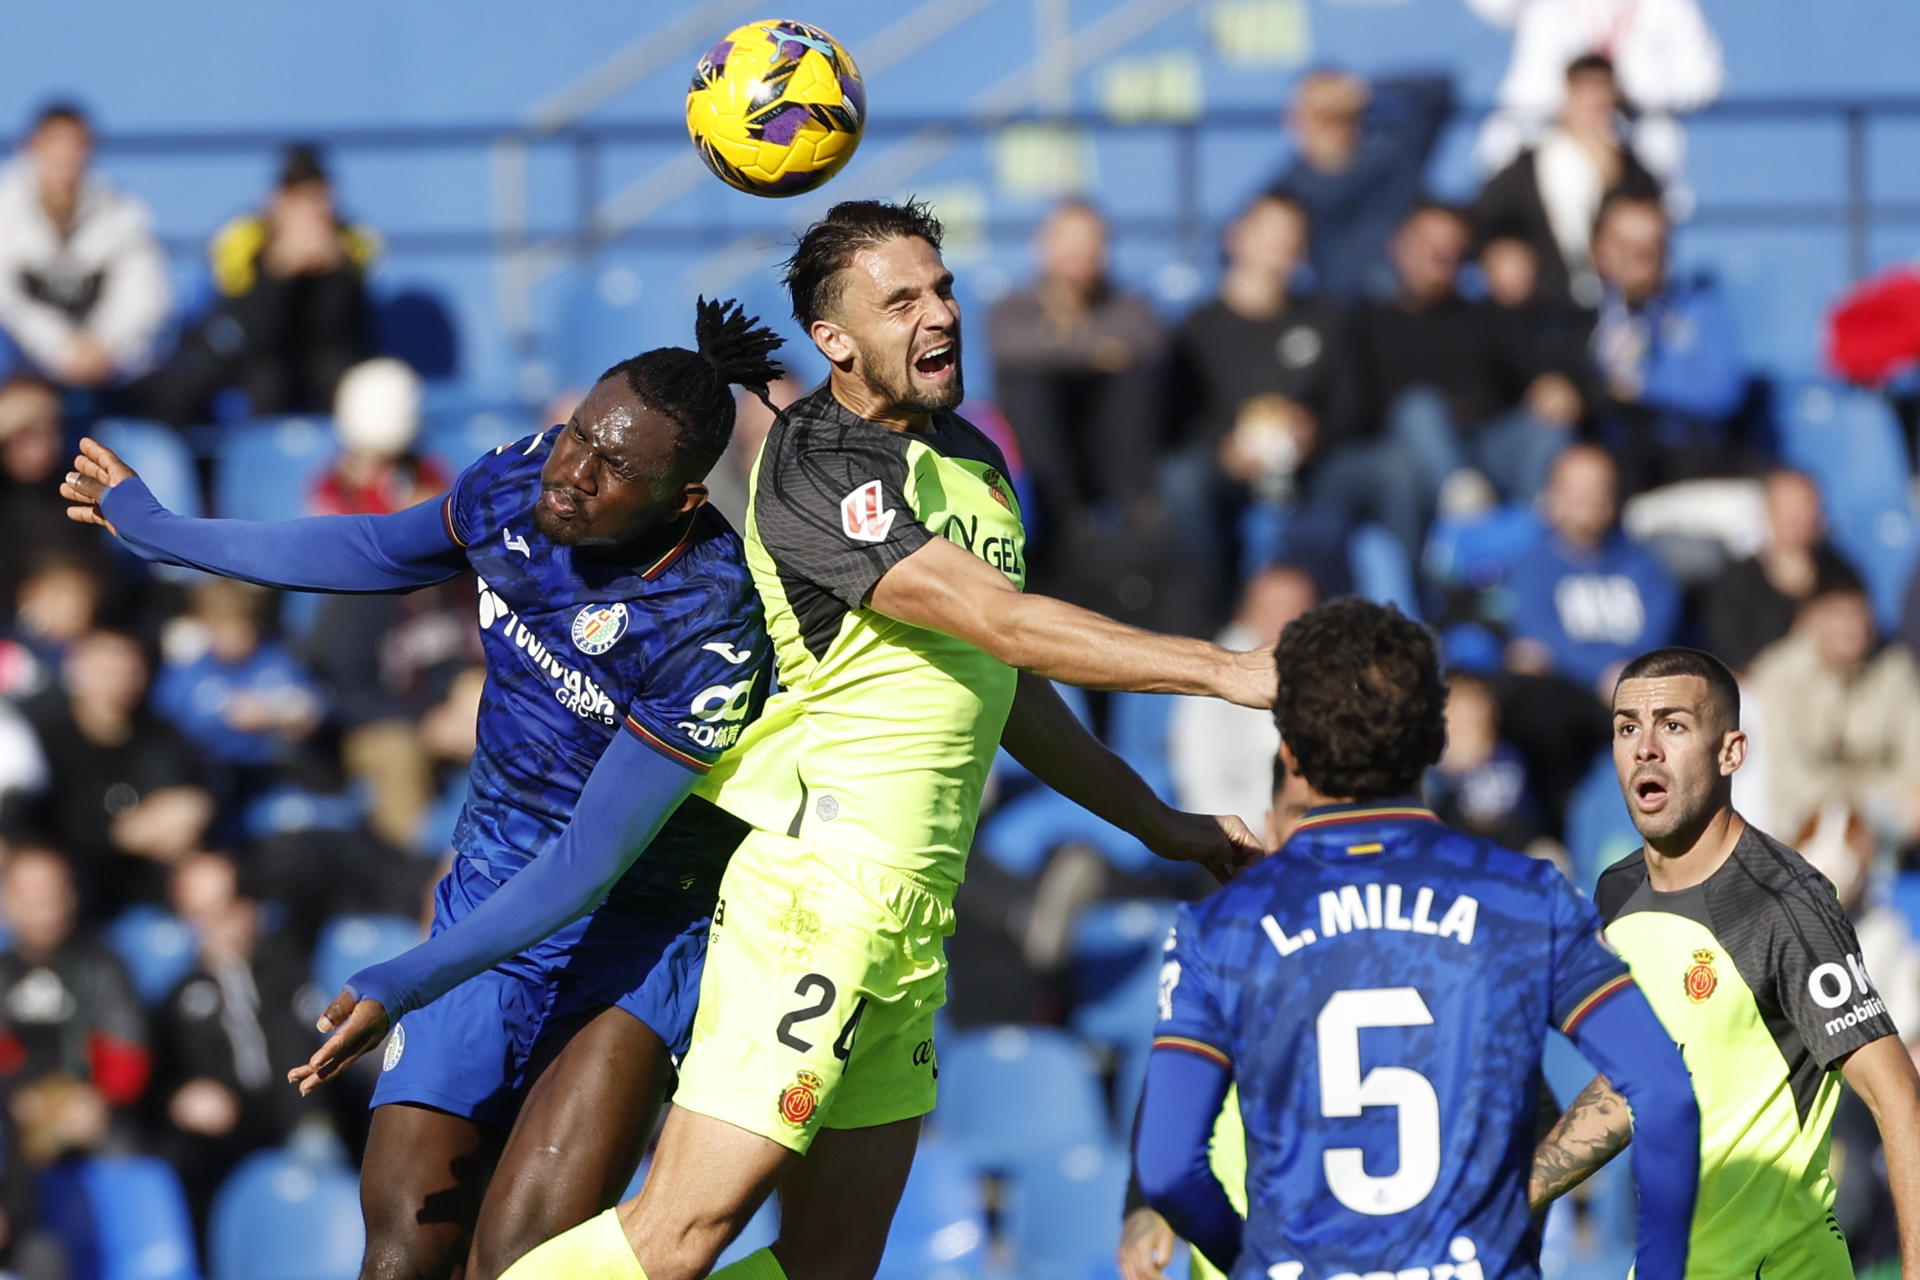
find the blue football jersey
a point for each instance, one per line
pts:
(578, 649)
(1380, 989)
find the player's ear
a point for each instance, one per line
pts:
(693, 495)
(1733, 752)
(833, 341)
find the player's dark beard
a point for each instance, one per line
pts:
(902, 392)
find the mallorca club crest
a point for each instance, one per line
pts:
(798, 1100)
(598, 627)
(995, 486)
(1701, 979)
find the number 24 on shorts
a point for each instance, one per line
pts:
(823, 993)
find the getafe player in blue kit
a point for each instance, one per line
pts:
(626, 650)
(1379, 990)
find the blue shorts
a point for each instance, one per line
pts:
(469, 1052)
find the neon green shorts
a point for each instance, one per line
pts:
(816, 1007)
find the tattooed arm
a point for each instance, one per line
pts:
(1593, 1131)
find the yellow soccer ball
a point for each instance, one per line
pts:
(776, 108)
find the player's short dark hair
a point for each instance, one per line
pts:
(827, 248)
(1588, 64)
(60, 111)
(1723, 691)
(1361, 702)
(691, 387)
(300, 164)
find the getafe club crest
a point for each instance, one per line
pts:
(598, 627)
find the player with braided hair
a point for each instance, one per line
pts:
(626, 651)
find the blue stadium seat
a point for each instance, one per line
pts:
(156, 946)
(1849, 441)
(1008, 1093)
(279, 1217)
(348, 944)
(1021, 834)
(160, 456)
(266, 469)
(1137, 732)
(458, 436)
(416, 325)
(940, 1229)
(1063, 1211)
(120, 1218)
(1117, 948)
(1479, 552)
(1599, 829)
(1381, 571)
(1906, 898)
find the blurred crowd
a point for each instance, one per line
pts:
(1449, 406)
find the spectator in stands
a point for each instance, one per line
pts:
(225, 1036)
(83, 282)
(1221, 756)
(1542, 346)
(244, 701)
(1667, 58)
(73, 1039)
(57, 602)
(377, 414)
(1075, 357)
(1454, 382)
(1362, 153)
(1842, 714)
(1481, 783)
(127, 801)
(1550, 195)
(1751, 603)
(1587, 599)
(292, 314)
(1258, 379)
(1665, 355)
(33, 515)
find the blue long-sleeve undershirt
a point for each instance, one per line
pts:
(631, 792)
(1623, 1038)
(1181, 1102)
(361, 554)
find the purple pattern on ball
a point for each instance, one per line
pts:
(784, 127)
(793, 182)
(855, 92)
(717, 56)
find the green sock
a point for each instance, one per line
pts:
(760, 1265)
(597, 1249)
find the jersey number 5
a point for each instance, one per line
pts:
(1344, 1092)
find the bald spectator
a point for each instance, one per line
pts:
(1587, 599)
(1751, 603)
(1222, 755)
(1074, 363)
(1550, 195)
(73, 1040)
(1664, 352)
(1362, 151)
(83, 282)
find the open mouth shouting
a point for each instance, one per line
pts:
(1649, 793)
(937, 363)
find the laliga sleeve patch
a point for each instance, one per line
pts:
(865, 515)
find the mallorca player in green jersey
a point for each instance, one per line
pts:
(1747, 958)
(887, 545)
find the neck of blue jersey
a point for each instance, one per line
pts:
(1385, 809)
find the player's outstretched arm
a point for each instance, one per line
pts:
(397, 552)
(1882, 1073)
(944, 588)
(1626, 1041)
(1043, 735)
(629, 796)
(1595, 1129)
